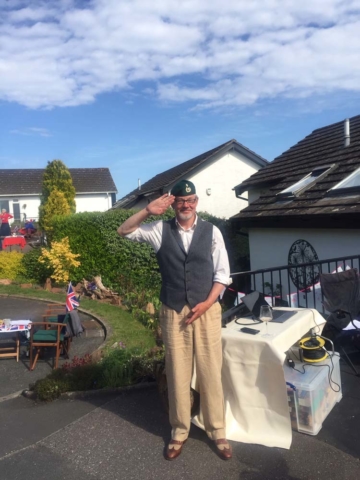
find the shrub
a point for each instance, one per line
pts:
(116, 369)
(122, 264)
(119, 368)
(49, 389)
(129, 266)
(11, 265)
(60, 260)
(33, 269)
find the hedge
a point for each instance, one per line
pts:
(121, 263)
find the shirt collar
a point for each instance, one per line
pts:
(192, 226)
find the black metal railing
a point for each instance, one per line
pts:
(293, 285)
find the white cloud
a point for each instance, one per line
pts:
(32, 131)
(211, 54)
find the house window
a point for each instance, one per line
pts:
(308, 181)
(4, 204)
(350, 184)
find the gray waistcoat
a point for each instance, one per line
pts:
(186, 278)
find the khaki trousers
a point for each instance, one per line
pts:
(201, 341)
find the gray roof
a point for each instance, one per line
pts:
(314, 207)
(162, 182)
(15, 182)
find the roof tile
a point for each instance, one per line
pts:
(29, 181)
(324, 146)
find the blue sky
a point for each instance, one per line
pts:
(139, 86)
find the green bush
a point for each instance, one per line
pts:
(119, 368)
(116, 369)
(121, 263)
(11, 265)
(33, 268)
(128, 265)
(49, 389)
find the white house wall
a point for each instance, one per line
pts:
(214, 185)
(94, 202)
(29, 205)
(269, 248)
(219, 178)
(254, 194)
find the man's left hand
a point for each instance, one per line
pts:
(197, 311)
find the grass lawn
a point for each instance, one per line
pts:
(124, 327)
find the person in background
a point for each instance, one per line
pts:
(29, 227)
(195, 269)
(5, 227)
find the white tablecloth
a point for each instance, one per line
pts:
(256, 406)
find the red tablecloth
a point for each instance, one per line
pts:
(8, 241)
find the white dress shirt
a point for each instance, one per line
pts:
(151, 233)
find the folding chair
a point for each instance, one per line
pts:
(48, 334)
(341, 292)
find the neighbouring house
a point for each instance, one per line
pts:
(212, 172)
(20, 190)
(305, 205)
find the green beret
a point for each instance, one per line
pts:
(183, 189)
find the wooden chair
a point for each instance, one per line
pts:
(48, 334)
(54, 309)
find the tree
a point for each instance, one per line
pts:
(56, 177)
(56, 205)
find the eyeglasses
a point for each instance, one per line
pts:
(181, 201)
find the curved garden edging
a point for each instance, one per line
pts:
(106, 327)
(95, 393)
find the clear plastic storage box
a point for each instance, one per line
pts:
(314, 397)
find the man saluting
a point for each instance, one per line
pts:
(194, 269)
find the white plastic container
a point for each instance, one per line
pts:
(315, 396)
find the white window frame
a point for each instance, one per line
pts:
(288, 194)
(339, 190)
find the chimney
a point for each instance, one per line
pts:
(346, 132)
(139, 184)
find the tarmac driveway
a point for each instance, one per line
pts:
(123, 438)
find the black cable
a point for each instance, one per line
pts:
(316, 325)
(255, 322)
(331, 370)
(312, 355)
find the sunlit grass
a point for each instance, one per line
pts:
(124, 327)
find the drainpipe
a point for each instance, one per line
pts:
(346, 132)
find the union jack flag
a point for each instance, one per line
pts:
(72, 301)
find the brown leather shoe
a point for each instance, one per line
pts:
(174, 449)
(223, 448)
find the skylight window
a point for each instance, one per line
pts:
(350, 184)
(305, 183)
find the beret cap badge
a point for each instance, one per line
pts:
(183, 187)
